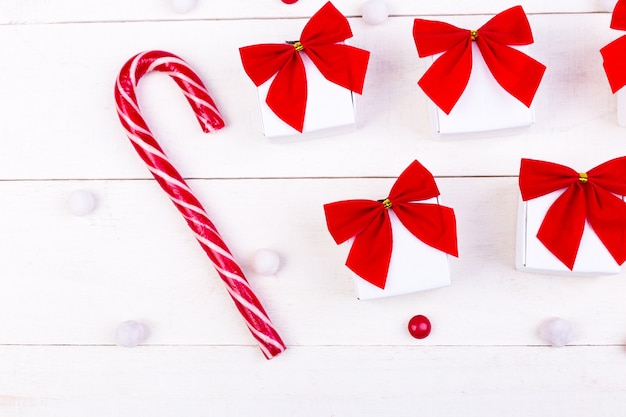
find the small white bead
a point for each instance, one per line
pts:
(130, 333)
(556, 331)
(266, 262)
(375, 12)
(182, 6)
(81, 202)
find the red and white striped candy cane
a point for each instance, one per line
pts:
(177, 189)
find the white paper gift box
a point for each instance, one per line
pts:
(308, 83)
(400, 244)
(414, 266)
(571, 222)
(532, 256)
(471, 92)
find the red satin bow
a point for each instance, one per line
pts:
(368, 222)
(587, 196)
(446, 79)
(341, 64)
(613, 53)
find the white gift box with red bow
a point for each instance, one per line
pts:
(330, 109)
(414, 266)
(483, 106)
(532, 256)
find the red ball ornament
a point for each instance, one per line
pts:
(289, 1)
(419, 326)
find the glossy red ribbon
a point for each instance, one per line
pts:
(341, 64)
(615, 52)
(368, 222)
(446, 79)
(587, 197)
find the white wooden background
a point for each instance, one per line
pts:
(66, 282)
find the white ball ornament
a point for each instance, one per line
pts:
(266, 262)
(375, 12)
(183, 6)
(556, 331)
(130, 333)
(81, 202)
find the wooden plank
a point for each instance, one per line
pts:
(312, 381)
(68, 281)
(61, 116)
(71, 280)
(32, 11)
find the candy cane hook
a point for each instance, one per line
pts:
(177, 189)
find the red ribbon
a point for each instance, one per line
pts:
(446, 79)
(340, 64)
(613, 53)
(589, 196)
(368, 222)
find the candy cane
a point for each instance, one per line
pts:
(177, 189)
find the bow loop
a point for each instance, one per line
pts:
(510, 27)
(610, 175)
(433, 37)
(345, 219)
(327, 26)
(587, 197)
(538, 178)
(447, 77)
(262, 61)
(368, 223)
(321, 41)
(414, 184)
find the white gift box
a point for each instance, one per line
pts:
(483, 106)
(414, 265)
(532, 256)
(330, 108)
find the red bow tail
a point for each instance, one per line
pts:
(516, 72)
(433, 224)
(288, 92)
(340, 64)
(562, 228)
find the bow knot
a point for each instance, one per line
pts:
(368, 223)
(297, 45)
(613, 53)
(590, 196)
(446, 79)
(387, 204)
(323, 36)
